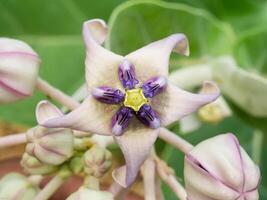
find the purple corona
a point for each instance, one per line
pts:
(134, 101)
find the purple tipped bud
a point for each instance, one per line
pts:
(154, 86)
(127, 75)
(121, 119)
(148, 116)
(108, 95)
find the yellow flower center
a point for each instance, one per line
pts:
(135, 99)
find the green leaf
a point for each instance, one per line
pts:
(136, 23)
(53, 28)
(251, 52)
(241, 14)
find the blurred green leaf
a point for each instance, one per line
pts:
(53, 28)
(241, 14)
(251, 52)
(136, 23)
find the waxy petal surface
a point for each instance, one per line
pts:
(153, 60)
(101, 64)
(90, 116)
(19, 66)
(174, 103)
(46, 110)
(219, 165)
(136, 145)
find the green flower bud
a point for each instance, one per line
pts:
(50, 146)
(85, 194)
(17, 186)
(33, 166)
(97, 161)
(76, 164)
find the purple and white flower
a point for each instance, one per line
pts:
(122, 87)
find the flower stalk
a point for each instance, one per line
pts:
(149, 179)
(167, 175)
(53, 185)
(91, 182)
(12, 140)
(175, 140)
(56, 94)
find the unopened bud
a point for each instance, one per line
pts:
(219, 168)
(215, 111)
(19, 66)
(97, 161)
(17, 186)
(33, 166)
(50, 145)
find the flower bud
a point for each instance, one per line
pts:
(76, 164)
(97, 161)
(33, 166)
(85, 194)
(19, 66)
(215, 111)
(50, 145)
(219, 168)
(16, 186)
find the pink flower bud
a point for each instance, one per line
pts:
(19, 66)
(51, 146)
(219, 168)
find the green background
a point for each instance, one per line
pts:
(214, 28)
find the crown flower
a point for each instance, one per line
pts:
(19, 66)
(219, 168)
(130, 96)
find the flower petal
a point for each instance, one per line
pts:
(175, 103)
(202, 185)
(226, 161)
(19, 66)
(153, 59)
(45, 111)
(253, 195)
(101, 64)
(136, 145)
(91, 116)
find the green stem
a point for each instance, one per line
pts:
(257, 143)
(91, 182)
(53, 185)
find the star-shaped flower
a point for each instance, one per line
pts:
(135, 84)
